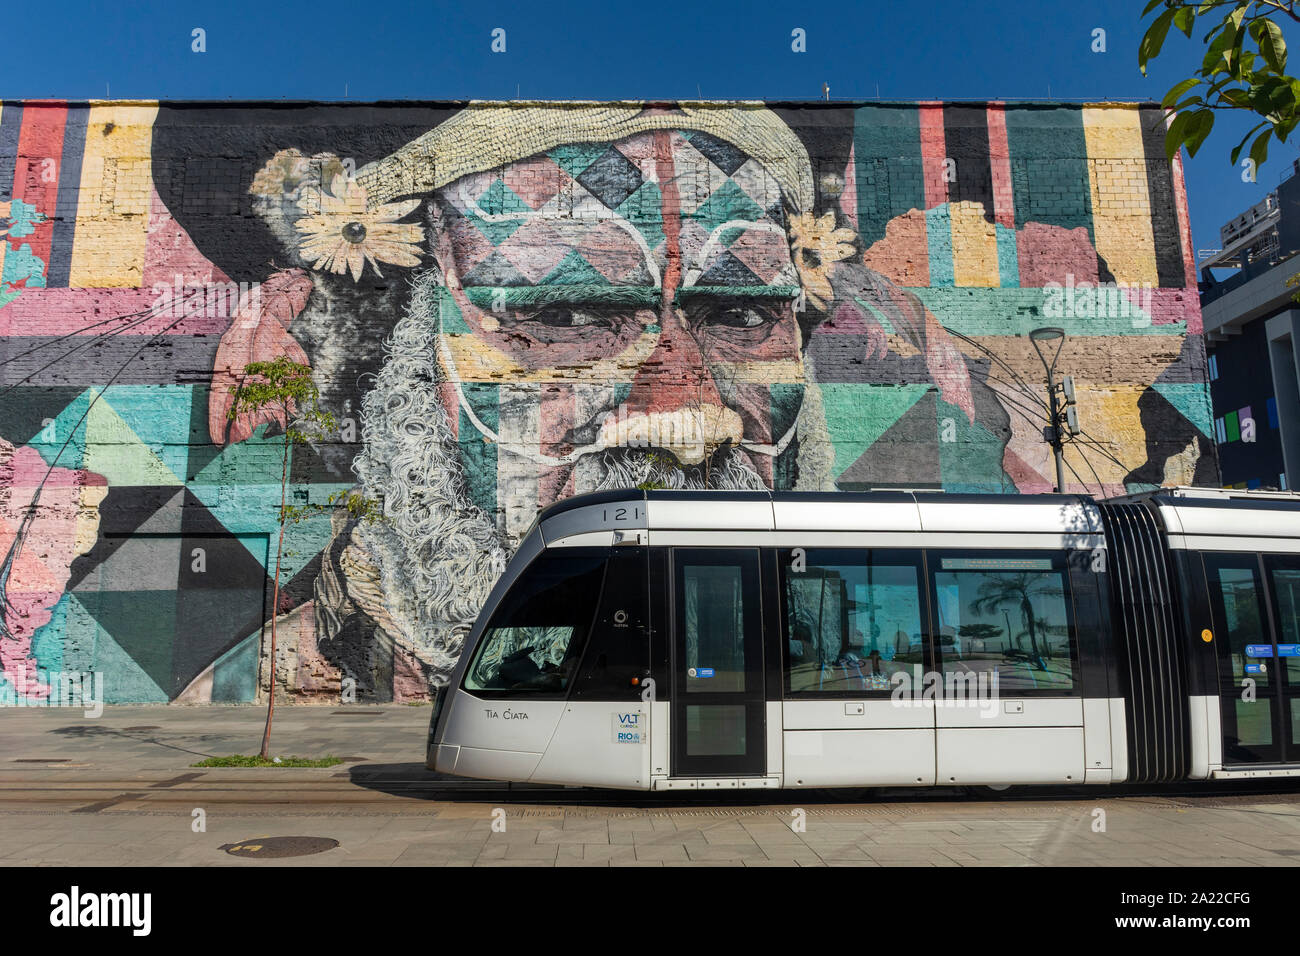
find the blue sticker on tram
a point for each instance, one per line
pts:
(704, 672)
(1259, 650)
(1288, 650)
(1255, 669)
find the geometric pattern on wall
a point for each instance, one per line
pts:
(643, 262)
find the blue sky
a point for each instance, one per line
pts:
(993, 49)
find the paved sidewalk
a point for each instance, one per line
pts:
(143, 737)
(120, 790)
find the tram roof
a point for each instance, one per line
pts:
(1212, 512)
(892, 510)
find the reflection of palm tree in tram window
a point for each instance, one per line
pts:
(1019, 589)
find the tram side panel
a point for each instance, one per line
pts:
(547, 693)
(603, 735)
(854, 621)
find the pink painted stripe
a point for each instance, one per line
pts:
(76, 312)
(932, 154)
(1185, 231)
(1004, 202)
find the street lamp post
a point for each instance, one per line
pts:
(1048, 336)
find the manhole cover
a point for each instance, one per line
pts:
(274, 848)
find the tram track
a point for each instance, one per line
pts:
(69, 791)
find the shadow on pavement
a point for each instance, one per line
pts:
(413, 780)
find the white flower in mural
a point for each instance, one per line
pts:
(344, 236)
(817, 246)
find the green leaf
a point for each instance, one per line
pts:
(1172, 96)
(1236, 151)
(1185, 19)
(1197, 129)
(1151, 6)
(1223, 38)
(1238, 98)
(1176, 133)
(1259, 148)
(1154, 39)
(1271, 45)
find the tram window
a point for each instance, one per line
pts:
(1006, 616)
(534, 639)
(852, 619)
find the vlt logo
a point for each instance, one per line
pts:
(627, 729)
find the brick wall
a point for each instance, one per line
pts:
(500, 305)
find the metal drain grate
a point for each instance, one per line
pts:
(276, 848)
(42, 760)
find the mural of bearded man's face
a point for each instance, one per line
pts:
(614, 313)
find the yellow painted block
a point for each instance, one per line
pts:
(974, 246)
(113, 205)
(1121, 204)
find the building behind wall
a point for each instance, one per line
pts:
(1250, 327)
(506, 304)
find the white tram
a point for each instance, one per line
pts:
(711, 640)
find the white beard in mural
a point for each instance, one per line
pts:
(439, 554)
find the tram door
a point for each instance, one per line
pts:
(717, 699)
(1256, 604)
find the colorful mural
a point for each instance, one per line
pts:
(505, 304)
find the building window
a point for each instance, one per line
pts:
(1214, 368)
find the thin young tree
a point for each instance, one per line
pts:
(283, 391)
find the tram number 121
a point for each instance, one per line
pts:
(621, 514)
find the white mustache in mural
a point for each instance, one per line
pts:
(684, 432)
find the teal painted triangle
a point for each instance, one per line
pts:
(137, 631)
(728, 202)
(497, 232)
(644, 210)
(47, 643)
(161, 416)
(857, 415)
(49, 440)
(970, 456)
(234, 673)
(500, 199)
(574, 158)
(574, 270)
(125, 681)
(115, 451)
(1192, 400)
(158, 414)
(450, 318)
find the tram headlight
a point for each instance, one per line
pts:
(439, 699)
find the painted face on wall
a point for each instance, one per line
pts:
(604, 301)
